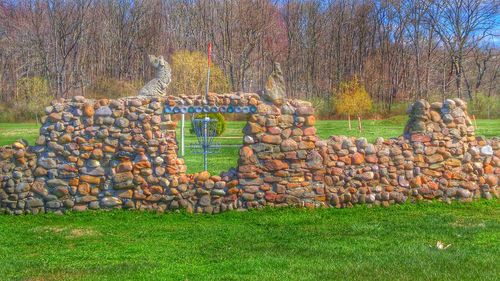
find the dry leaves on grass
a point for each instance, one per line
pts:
(69, 233)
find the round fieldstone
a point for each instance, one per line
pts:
(487, 150)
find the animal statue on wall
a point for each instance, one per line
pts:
(158, 85)
(274, 90)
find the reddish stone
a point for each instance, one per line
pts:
(436, 158)
(203, 176)
(246, 152)
(420, 138)
(371, 159)
(253, 128)
(274, 130)
(432, 185)
(270, 196)
(448, 175)
(337, 171)
(289, 145)
(274, 165)
(307, 145)
(492, 180)
(88, 110)
(73, 182)
(90, 179)
(109, 149)
(97, 154)
(84, 188)
(416, 182)
(358, 158)
(272, 139)
(233, 190)
(156, 189)
(246, 168)
(488, 169)
(310, 120)
(309, 131)
(142, 164)
(345, 159)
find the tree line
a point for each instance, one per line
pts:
(400, 50)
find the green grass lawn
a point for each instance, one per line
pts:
(360, 243)
(227, 157)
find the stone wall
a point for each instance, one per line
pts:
(123, 154)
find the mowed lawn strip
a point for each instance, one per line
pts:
(361, 243)
(227, 156)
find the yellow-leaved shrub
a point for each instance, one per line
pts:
(189, 75)
(352, 99)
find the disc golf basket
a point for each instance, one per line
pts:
(206, 131)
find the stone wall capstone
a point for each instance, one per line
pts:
(107, 154)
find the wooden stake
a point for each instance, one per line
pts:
(359, 123)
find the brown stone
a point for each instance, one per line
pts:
(492, 180)
(73, 182)
(142, 164)
(54, 117)
(453, 162)
(310, 120)
(274, 130)
(435, 116)
(436, 158)
(289, 145)
(123, 177)
(65, 138)
(270, 196)
(309, 131)
(90, 179)
(88, 110)
(233, 190)
(272, 139)
(40, 172)
(84, 188)
(488, 169)
(127, 194)
(420, 138)
(109, 149)
(274, 165)
(125, 166)
(307, 145)
(254, 128)
(97, 154)
(416, 182)
(203, 176)
(246, 152)
(371, 159)
(357, 158)
(432, 185)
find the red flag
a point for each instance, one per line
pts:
(209, 54)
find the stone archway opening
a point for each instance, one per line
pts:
(237, 109)
(223, 157)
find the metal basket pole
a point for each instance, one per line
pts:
(205, 142)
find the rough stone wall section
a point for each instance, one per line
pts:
(446, 120)
(123, 154)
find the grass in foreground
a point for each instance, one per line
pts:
(227, 157)
(273, 244)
